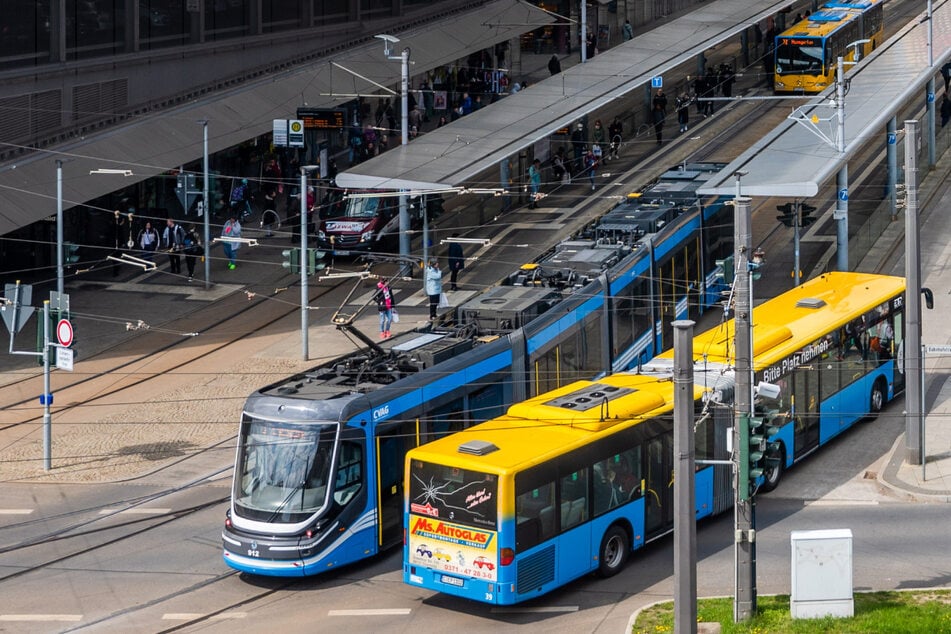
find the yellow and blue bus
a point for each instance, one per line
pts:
(572, 481)
(806, 54)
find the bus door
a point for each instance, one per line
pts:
(391, 448)
(805, 381)
(659, 489)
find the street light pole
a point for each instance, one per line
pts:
(302, 261)
(206, 205)
(59, 226)
(404, 222)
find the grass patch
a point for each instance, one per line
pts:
(924, 611)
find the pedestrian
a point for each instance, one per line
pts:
(710, 83)
(149, 240)
(173, 241)
(554, 66)
(657, 117)
(241, 199)
(534, 182)
(230, 232)
(660, 99)
(433, 286)
(946, 75)
(193, 249)
(615, 131)
(384, 304)
(273, 182)
(579, 143)
(945, 110)
(442, 121)
(591, 165)
(726, 77)
(457, 262)
(683, 111)
(597, 135)
(627, 31)
(699, 91)
(590, 45)
(559, 169)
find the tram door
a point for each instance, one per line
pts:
(390, 459)
(806, 394)
(659, 495)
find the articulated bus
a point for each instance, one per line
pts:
(806, 54)
(572, 481)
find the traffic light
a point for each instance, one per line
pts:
(805, 219)
(788, 216)
(70, 253)
(291, 260)
(312, 265)
(726, 267)
(771, 426)
(752, 450)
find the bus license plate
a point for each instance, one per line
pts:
(341, 252)
(453, 581)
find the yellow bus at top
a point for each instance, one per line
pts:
(806, 54)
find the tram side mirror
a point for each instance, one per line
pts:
(929, 297)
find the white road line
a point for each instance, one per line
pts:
(840, 503)
(539, 610)
(136, 511)
(72, 618)
(379, 612)
(16, 511)
(191, 616)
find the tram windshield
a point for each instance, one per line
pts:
(283, 470)
(800, 56)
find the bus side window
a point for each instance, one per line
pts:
(534, 511)
(574, 499)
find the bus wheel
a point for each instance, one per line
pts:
(877, 398)
(614, 551)
(773, 474)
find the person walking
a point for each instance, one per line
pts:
(579, 142)
(683, 111)
(615, 130)
(148, 241)
(597, 136)
(554, 65)
(657, 117)
(457, 262)
(384, 304)
(231, 229)
(433, 286)
(534, 182)
(591, 165)
(193, 249)
(173, 239)
(627, 31)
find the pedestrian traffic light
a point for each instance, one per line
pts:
(788, 216)
(726, 270)
(805, 219)
(70, 253)
(291, 260)
(312, 265)
(751, 452)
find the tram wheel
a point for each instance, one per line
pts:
(615, 547)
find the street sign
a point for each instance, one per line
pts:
(295, 133)
(64, 359)
(64, 333)
(657, 82)
(938, 349)
(279, 132)
(15, 317)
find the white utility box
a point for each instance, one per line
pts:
(821, 574)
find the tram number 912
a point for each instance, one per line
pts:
(254, 553)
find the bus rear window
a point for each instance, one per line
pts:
(453, 494)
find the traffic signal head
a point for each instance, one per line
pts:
(788, 215)
(752, 450)
(726, 266)
(70, 253)
(291, 260)
(805, 218)
(312, 265)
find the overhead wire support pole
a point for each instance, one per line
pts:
(302, 261)
(206, 204)
(913, 401)
(59, 226)
(744, 605)
(841, 214)
(685, 497)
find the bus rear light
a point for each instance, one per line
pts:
(506, 556)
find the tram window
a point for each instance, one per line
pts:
(487, 402)
(349, 472)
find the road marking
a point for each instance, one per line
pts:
(538, 610)
(191, 616)
(135, 511)
(840, 503)
(377, 612)
(72, 618)
(15, 511)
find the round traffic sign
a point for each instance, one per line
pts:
(64, 332)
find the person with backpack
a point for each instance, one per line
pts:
(241, 199)
(173, 241)
(193, 248)
(231, 229)
(384, 304)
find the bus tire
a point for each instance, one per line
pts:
(877, 398)
(615, 547)
(773, 475)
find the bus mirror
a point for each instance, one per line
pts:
(929, 297)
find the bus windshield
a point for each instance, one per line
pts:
(283, 470)
(799, 56)
(363, 207)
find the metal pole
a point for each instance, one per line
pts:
(913, 403)
(841, 214)
(47, 397)
(891, 152)
(924, 452)
(932, 132)
(797, 225)
(744, 607)
(59, 226)
(302, 260)
(404, 222)
(206, 205)
(584, 31)
(422, 202)
(685, 504)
